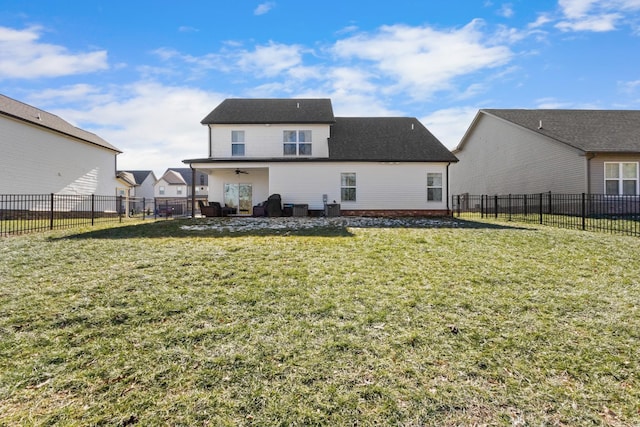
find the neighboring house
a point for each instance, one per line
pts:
(559, 151)
(42, 154)
(298, 149)
(201, 183)
(143, 189)
(170, 186)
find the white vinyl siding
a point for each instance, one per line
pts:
(35, 160)
(500, 157)
(380, 186)
(266, 141)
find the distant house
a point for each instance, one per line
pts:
(559, 151)
(41, 154)
(171, 185)
(143, 187)
(298, 149)
(200, 185)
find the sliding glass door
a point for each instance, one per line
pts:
(239, 196)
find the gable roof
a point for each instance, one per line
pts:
(613, 131)
(271, 111)
(140, 176)
(187, 176)
(21, 111)
(385, 139)
(172, 177)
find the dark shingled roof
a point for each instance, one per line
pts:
(16, 109)
(401, 139)
(139, 175)
(613, 131)
(259, 111)
(187, 175)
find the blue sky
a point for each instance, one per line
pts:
(143, 74)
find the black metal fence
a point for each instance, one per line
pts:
(593, 212)
(25, 213)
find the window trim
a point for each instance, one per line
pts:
(621, 179)
(238, 145)
(353, 187)
(297, 141)
(435, 187)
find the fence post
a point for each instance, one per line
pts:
(482, 206)
(144, 207)
(93, 208)
(458, 196)
(550, 204)
(540, 208)
(495, 205)
(584, 211)
(120, 208)
(509, 207)
(51, 205)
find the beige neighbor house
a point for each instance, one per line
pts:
(298, 149)
(43, 154)
(558, 151)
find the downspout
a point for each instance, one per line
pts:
(193, 191)
(210, 141)
(589, 157)
(448, 164)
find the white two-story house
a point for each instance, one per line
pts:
(298, 149)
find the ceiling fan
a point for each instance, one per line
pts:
(239, 171)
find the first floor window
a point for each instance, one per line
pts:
(621, 178)
(434, 187)
(348, 187)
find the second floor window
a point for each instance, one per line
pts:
(237, 143)
(296, 142)
(161, 190)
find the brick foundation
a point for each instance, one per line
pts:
(396, 213)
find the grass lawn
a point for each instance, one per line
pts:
(154, 324)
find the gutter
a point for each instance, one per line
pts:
(589, 156)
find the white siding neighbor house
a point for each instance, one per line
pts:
(298, 149)
(41, 154)
(171, 185)
(558, 151)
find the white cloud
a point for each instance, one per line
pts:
(22, 56)
(598, 23)
(423, 60)
(594, 15)
(264, 8)
(450, 124)
(155, 126)
(506, 10)
(270, 60)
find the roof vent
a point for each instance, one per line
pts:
(540, 125)
(412, 126)
(39, 118)
(297, 105)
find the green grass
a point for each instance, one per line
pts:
(459, 325)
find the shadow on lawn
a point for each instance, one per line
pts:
(238, 227)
